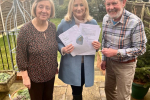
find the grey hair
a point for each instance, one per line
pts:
(34, 5)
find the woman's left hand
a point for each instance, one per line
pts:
(96, 45)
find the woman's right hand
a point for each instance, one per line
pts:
(68, 49)
(26, 82)
(26, 79)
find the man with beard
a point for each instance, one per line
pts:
(123, 41)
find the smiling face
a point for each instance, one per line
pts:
(115, 8)
(43, 10)
(78, 9)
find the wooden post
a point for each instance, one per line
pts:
(142, 12)
(2, 17)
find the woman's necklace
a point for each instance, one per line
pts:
(44, 35)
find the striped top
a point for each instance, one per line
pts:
(37, 52)
(127, 36)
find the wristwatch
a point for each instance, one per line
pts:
(118, 54)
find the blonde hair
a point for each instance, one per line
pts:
(34, 5)
(69, 14)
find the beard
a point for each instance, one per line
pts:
(115, 16)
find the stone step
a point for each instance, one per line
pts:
(89, 93)
(63, 91)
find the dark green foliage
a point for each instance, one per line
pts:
(143, 75)
(4, 77)
(61, 10)
(22, 94)
(97, 9)
(142, 72)
(144, 60)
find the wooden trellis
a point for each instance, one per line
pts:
(141, 10)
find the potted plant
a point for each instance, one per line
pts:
(21, 94)
(7, 78)
(141, 81)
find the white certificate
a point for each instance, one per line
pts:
(81, 38)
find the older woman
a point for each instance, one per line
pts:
(78, 70)
(37, 51)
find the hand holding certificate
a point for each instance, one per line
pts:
(81, 38)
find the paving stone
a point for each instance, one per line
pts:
(97, 73)
(69, 93)
(96, 69)
(102, 93)
(58, 82)
(63, 91)
(147, 97)
(91, 93)
(138, 99)
(99, 78)
(59, 93)
(103, 72)
(2, 95)
(69, 97)
(103, 98)
(69, 90)
(102, 84)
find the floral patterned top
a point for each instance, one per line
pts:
(37, 52)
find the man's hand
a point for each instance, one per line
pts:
(103, 65)
(109, 52)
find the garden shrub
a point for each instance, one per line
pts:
(144, 60)
(61, 10)
(96, 9)
(4, 77)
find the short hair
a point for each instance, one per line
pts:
(34, 5)
(69, 14)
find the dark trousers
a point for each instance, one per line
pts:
(42, 91)
(77, 90)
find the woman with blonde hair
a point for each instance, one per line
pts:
(78, 70)
(37, 51)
